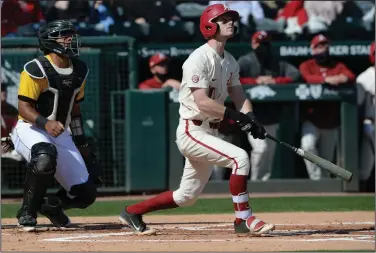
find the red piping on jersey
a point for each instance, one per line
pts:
(207, 146)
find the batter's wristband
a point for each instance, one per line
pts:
(41, 122)
(231, 114)
(251, 115)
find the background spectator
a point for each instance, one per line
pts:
(252, 15)
(366, 81)
(78, 10)
(100, 16)
(6, 108)
(142, 12)
(321, 120)
(158, 65)
(246, 9)
(317, 16)
(27, 12)
(9, 117)
(261, 67)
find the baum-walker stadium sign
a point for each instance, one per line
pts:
(293, 49)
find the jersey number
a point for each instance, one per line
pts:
(211, 92)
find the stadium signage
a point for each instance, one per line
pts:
(297, 49)
(337, 50)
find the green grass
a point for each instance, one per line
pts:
(224, 205)
(361, 250)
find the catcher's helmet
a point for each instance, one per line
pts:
(208, 28)
(50, 32)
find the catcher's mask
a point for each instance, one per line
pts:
(54, 38)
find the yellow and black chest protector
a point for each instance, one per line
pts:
(56, 101)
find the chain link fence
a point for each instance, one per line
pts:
(113, 66)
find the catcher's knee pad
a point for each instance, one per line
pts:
(39, 175)
(241, 164)
(185, 197)
(43, 159)
(84, 194)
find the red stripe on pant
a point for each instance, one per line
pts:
(207, 146)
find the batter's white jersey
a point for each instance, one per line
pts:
(204, 68)
(195, 136)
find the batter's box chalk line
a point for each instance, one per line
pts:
(167, 226)
(273, 235)
(92, 238)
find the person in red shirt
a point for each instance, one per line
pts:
(27, 12)
(158, 65)
(321, 119)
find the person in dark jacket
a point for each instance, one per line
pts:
(260, 67)
(321, 120)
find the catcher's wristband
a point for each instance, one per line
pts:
(77, 130)
(41, 122)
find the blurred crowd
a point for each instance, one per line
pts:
(177, 20)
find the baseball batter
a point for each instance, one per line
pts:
(210, 74)
(51, 87)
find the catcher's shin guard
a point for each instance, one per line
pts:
(52, 209)
(80, 196)
(39, 176)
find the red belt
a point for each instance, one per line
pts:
(211, 124)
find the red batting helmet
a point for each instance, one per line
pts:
(208, 28)
(156, 59)
(261, 37)
(372, 53)
(319, 39)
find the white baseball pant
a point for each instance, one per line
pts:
(202, 150)
(262, 154)
(321, 142)
(70, 170)
(367, 156)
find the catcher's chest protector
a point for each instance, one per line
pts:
(56, 102)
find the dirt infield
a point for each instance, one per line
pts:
(294, 231)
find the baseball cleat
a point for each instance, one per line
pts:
(135, 221)
(253, 226)
(26, 222)
(52, 209)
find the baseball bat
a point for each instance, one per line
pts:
(325, 164)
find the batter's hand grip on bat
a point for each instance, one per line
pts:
(326, 165)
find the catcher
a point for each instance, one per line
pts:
(51, 88)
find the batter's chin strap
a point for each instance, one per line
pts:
(77, 130)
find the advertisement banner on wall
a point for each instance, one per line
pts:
(295, 49)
